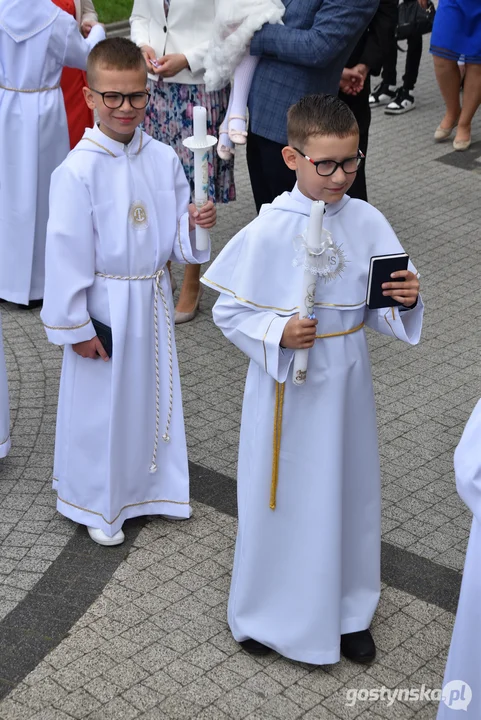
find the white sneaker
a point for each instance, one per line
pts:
(174, 518)
(101, 538)
(402, 103)
(382, 95)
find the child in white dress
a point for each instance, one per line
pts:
(228, 55)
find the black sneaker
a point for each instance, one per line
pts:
(382, 95)
(402, 103)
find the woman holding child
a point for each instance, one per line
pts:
(174, 36)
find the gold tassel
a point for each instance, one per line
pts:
(278, 410)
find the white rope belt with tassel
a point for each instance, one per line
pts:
(33, 90)
(157, 276)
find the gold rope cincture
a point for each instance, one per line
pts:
(158, 291)
(36, 90)
(278, 411)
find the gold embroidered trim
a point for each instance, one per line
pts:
(73, 327)
(390, 326)
(180, 243)
(102, 147)
(278, 410)
(272, 307)
(264, 343)
(34, 90)
(111, 522)
(342, 332)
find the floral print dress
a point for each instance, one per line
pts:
(169, 119)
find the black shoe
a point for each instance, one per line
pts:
(402, 103)
(255, 648)
(382, 95)
(358, 646)
(31, 305)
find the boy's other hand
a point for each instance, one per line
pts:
(404, 291)
(299, 334)
(204, 217)
(91, 349)
(149, 55)
(170, 65)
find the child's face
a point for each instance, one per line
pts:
(330, 188)
(118, 123)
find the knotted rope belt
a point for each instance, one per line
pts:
(157, 276)
(35, 90)
(278, 410)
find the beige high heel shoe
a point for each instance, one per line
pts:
(441, 134)
(183, 317)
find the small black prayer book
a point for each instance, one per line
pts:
(380, 272)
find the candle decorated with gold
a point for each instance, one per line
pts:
(314, 246)
(200, 143)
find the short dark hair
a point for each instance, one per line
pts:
(115, 53)
(319, 115)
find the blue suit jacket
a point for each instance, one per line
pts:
(305, 55)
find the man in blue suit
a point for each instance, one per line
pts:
(303, 56)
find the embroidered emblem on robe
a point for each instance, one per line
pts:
(328, 263)
(138, 216)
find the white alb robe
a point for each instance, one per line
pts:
(309, 570)
(4, 404)
(123, 213)
(36, 40)
(464, 659)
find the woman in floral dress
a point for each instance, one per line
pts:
(174, 36)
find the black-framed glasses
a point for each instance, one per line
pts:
(324, 168)
(115, 100)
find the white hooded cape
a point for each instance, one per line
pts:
(35, 44)
(235, 23)
(4, 404)
(309, 570)
(120, 212)
(464, 659)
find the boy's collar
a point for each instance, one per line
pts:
(331, 208)
(118, 148)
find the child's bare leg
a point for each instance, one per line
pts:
(243, 77)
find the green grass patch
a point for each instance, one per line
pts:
(113, 10)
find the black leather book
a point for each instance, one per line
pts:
(380, 272)
(104, 334)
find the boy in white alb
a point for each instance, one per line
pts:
(37, 40)
(306, 578)
(4, 404)
(119, 210)
(462, 678)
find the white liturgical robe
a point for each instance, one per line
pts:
(462, 678)
(308, 570)
(4, 404)
(36, 40)
(117, 215)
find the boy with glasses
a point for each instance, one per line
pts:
(306, 578)
(119, 211)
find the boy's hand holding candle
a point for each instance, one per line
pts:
(203, 217)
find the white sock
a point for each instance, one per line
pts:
(224, 139)
(243, 77)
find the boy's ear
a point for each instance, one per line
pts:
(89, 97)
(290, 157)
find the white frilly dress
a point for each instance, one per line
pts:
(235, 24)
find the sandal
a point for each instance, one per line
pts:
(225, 150)
(239, 137)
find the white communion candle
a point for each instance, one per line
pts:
(309, 281)
(200, 143)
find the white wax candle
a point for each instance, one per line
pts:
(308, 288)
(200, 124)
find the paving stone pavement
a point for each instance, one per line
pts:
(155, 643)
